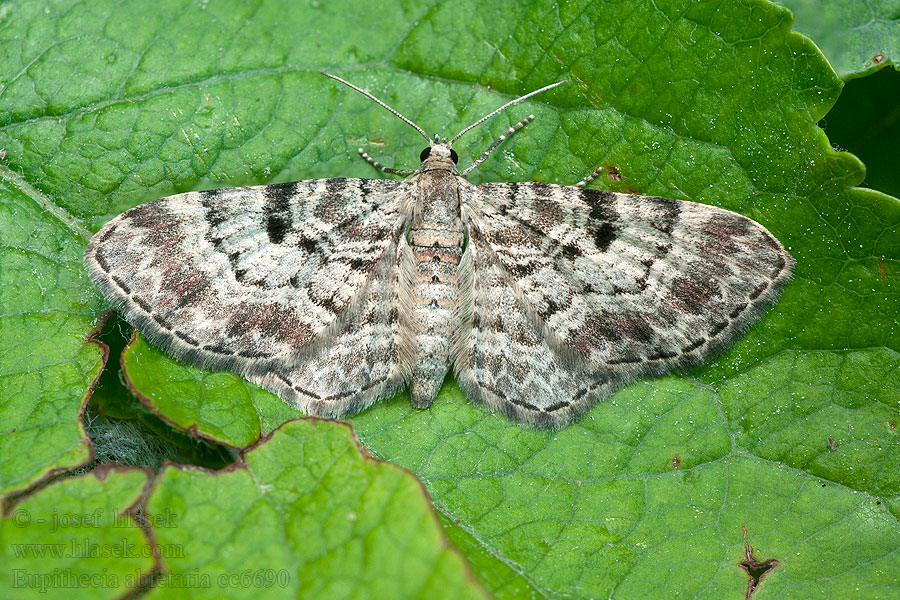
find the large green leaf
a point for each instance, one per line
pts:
(333, 524)
(787, 443)
(860, 38)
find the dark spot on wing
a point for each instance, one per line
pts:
(309, 245)
(277, 210)
(125, 288)
(361, 264)
(738, 310)
(214, 215)
(101, 261)
(571, 251)
(758, 291)
(550, 310)
(602, 204)
(603, 216)
(108, 233)
(335, 185)
(162, 322)
(667, 212)
(218, 349)
(604, 235)
(512, 192)
(188, 339)
(693, 345)
(209, 195)
(145, 306)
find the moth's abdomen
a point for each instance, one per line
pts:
(436, 253)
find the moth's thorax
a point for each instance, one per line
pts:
(437, 200)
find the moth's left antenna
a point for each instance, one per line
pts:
(370, 96)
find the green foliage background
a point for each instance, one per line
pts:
(786, 444)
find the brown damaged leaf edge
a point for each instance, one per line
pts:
(756, 570)
(10, 498)
(138, 508)
(148, 404)
(241, 463)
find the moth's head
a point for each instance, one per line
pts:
(439, 156)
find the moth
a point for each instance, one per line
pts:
(335, 293)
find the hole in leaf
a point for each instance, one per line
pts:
(756, 570)
(866, 121)
(124, 431)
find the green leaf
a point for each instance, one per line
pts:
(652, 491)
(77, 538)
(503, 581)
(831, 414)
(305, 514)
(47, 310)
(857, 38)
(109, 105)
(217, 405)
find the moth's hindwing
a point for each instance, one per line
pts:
(359, 363)
(504, 361)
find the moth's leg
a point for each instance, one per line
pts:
(497, 142)
(589, 178)
(380, 166)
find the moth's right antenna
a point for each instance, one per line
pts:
(371, 97)
(504, 107)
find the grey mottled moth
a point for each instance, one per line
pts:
(335, 293)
